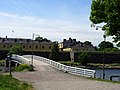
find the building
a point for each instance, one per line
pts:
(67, 43)
(26, 44)
(72, 45)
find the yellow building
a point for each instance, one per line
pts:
(26, 44)
(71, 45)
(79, 48)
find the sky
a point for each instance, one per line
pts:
(52, 19)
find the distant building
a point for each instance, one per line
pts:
(27, 44)
(73, 45)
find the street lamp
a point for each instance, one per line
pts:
(32, 49)
(33, 35)
(104, 36)
(9, 59)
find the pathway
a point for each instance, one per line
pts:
(48, 78)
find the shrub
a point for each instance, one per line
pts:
(84, 58)
(19, 68)
(54, 55)
(24, 67)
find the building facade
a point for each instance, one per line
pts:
(72, 45)
(26, 44)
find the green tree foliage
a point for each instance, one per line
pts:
(107, 45)
(41, 39)
(24, 67)
(107, 12)
(112, 49)
(54, 55)
(84, 58)
(88, 43)
(15, 50)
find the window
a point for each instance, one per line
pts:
(4, 46)
(42, 47)
(29, 46)
(36, 47)
(10, 46)
(23, 46)
(49, 47)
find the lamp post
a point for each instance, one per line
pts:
(103, 61)
(32, 49)
(9, 59)
(33, 35)
(12, 33)
(104, 36)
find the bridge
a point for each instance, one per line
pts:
(57, 65)
(47, 77)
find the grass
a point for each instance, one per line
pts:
(97, 79)
(69, 63)
(98, 65)
(9, 83)
(91, 65)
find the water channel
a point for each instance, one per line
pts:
(108, 73)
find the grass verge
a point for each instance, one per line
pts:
(9, 83)
(116, 82)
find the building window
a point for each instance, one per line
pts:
(42, 47)
(23, 46)
(29, 46)
(4, 46)
(49, 47)
(36, 47)
(10, 46)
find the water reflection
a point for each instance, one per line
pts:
(108, 73)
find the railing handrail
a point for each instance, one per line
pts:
(69, 69)
(20, 59)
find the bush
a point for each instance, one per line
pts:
(54, 55)
(24, 67)
(84, 58)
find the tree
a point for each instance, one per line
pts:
(15, 50)
(108, 13)
(107, 45)
(84, 58)
(54, 55)
(88, 43)
(41, 39)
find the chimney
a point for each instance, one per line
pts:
(64, 40)
(74, 40)
(70, 39)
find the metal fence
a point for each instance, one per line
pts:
(65, 68)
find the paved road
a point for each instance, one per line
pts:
(48, 78)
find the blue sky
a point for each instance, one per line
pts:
(53, 19)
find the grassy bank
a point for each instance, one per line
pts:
(91, 65)
(9, 83)
(96, 79)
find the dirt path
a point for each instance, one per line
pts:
(48, 78)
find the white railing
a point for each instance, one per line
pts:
(20, 59)
(65, 68)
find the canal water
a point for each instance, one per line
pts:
(108, 73)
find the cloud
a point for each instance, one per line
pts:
(24, 26)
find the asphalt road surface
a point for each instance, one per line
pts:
(47, 78)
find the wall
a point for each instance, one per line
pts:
(97, 57)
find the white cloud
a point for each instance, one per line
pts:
(24, 26)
